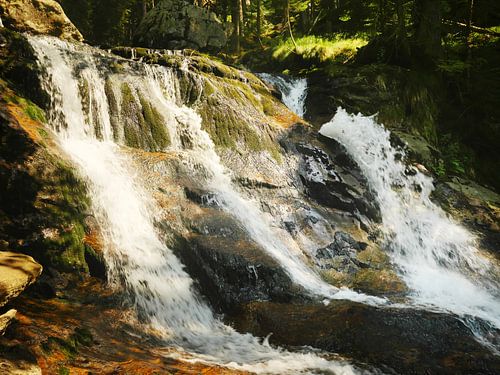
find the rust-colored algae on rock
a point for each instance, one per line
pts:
(92, 335)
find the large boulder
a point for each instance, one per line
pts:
(177, 24)
(38, 17)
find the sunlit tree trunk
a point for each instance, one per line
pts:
(243, 16)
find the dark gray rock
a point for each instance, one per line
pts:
(341, 254)
(178, 24)
(332, 186)
(229, 267)
(401, 341)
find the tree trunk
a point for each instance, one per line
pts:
(287, 20)
(242, 17)
(235, 16)
(468, 38)
(259, 20)
(427, 24)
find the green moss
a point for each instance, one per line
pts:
(129, 113)
(117, 67)
(65, 249)
(43, 133)
(141, 52)
(143, 125)
(63, 371)
(208, 88)
(127, 96)
(268, 106)
(378, 281)
(156, 123)
(70, 346)
(33, 111)
(114, 108)
(228, 130)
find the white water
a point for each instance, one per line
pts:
(293, 91)
(437, 257)
(136, 256)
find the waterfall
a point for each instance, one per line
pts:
(437, 257)
(274, 241)
(136, 256)
(293, 91)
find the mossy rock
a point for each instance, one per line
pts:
(143, 126)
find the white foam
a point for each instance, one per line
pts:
(437, 257)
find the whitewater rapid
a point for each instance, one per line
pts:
(437, 258)
(136, 256)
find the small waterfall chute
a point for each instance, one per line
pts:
(293, 91)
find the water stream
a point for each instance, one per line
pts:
(437, 258)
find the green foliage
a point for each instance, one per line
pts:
(457, 159)
(453, 66)
(105, 22)
(318, 49)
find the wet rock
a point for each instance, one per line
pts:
(201, 197)
(230, 273)
(230, 268)
(341, 254)
(330, 183)
(38, 17)
(404, 341)
(37, 215)
(178, 24)
(343, 244)
(96, 263)
(323, 184)
(476, 206)
(17, 271)
(16, 359)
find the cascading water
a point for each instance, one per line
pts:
(275, 241)
(437, 258)
(136, 256)
(293, 91)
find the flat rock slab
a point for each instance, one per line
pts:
(401, 341)
(17, 272)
